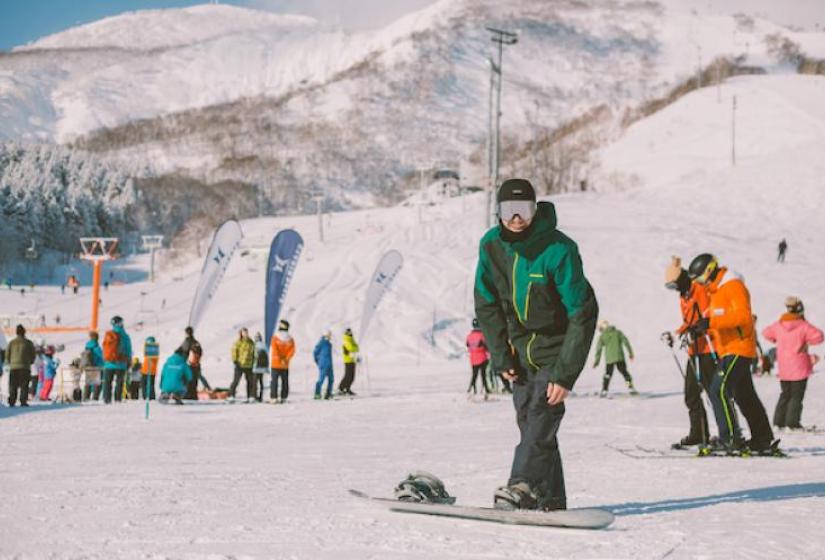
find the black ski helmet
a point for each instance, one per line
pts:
(475, 323)
(703, 268)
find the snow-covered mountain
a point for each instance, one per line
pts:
(217, 476)
(221, 92)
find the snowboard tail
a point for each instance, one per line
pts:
(584, 518)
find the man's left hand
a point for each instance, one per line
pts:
(556, 394)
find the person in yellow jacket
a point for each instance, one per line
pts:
(243, 356)
(730, 318)
(350, 351)
(281, 350)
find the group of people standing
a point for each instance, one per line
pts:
(719, 333)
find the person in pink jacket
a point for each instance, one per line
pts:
(792, 335)
(479, 358)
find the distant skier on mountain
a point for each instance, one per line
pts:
(479, 359)
(322, 354)
(793, 335)
(782, 248)
(613, 342)
(729, 316)
(349, 348)
(538, 313)
(693, 302)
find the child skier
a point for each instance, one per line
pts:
(151, 355)
(91, 362)
(135, 378)
(50, 365)
(792, 335)
(613, 342)
(261, 366)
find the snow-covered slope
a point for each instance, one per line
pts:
(269, 481)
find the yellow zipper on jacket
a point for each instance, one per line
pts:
(529, 356)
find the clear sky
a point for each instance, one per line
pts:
(23, 21)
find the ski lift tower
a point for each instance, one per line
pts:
(152, 243)
(97, 250)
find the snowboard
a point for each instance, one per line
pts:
(583, 518)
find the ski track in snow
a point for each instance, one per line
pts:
(211, 480)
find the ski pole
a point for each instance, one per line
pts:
(146, 393)
(667, 338)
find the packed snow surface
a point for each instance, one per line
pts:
(211, 480)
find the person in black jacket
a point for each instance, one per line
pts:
(20, 355)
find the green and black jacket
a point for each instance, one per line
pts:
(530, 291)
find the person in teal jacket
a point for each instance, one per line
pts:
(174, 377)
(116, 369)
(613, 342)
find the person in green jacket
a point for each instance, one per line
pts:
(20, 355)
(350, 351)
(613, 342)
(243, 357)
(538, 314)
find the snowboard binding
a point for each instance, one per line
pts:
(423, 487)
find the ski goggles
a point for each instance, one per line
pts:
(509, 209)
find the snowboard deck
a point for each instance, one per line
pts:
(583, 518)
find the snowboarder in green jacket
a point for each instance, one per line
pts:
(538, 313)
(613, 342)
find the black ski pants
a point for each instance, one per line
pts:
(734, 382)
(279, 376)
(246, 373)
(258, 381)
(537, 460)
(192, 385)
(693, 394)
(349, 377)
(147, 388)
(118, 376)
(134, 390)
(608, 374)
(479, 371)
(19, 380)
(788, 411)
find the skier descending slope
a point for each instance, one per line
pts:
(538, 313)
(729, 316)
(613, 342)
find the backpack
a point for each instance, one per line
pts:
(262, 361)
(86, 359)
(195, 352)
(111, 347)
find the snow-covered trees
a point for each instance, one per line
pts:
(52, 195)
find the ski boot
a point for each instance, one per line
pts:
(761, 450)
(515, 496)
(603, 394)
(423, 487)
(631, 388)
(688, 441)
(317, 397)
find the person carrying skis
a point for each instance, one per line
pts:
(260, 367)
(175, 377)
(322, 354)
(91, 362)
(117, 354)
(782, 248)
(613, 342)
(151, 355)
(350, 350)
(243, 357)
(793, 335)
(479, 359)
(730, 318)
(538, 313)
(281, 350)
(693, 302)
(20, 355)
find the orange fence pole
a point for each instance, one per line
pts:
(98, 265)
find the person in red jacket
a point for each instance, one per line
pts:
(693, 302)
(479, 358)
(792, 335)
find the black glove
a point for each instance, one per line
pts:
(700, 327)
(667, 338)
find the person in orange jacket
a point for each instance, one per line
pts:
(693, 302)
(730, 319)
(281, 350)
